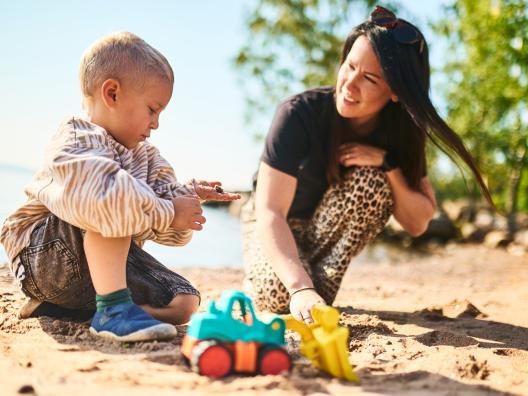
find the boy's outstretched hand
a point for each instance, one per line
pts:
(212, 191)
(187, 213)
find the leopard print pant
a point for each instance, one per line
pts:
(350, 215)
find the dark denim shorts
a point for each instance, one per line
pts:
(53, 268)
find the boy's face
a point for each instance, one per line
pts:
(136, 112)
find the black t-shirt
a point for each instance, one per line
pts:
(298, 144)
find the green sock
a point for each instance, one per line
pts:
(107, 300)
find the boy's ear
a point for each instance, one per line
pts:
(109, 92)
(394, 98)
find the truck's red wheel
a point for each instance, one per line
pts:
(273, 360)
(212, 359)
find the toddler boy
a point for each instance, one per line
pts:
(104, 190)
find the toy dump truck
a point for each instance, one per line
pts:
(228, 338)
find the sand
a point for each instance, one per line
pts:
(451, 323)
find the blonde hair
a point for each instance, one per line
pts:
(123, 56)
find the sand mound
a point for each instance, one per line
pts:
(436, 337)
(453, 310)
(361, 326)
(462, 309)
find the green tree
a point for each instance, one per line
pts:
(487, 91)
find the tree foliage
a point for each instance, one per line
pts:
(487, 90)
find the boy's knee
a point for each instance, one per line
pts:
(183, 306)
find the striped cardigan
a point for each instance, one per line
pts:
(95, 183)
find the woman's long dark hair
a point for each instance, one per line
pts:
(407, 123)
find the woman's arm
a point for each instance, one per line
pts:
(412, 209)
(274, 196)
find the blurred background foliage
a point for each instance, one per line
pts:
(293, 45)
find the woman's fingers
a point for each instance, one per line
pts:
(306, 315)
(303, 315)
(297, 315)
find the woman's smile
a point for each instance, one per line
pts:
(348, 99)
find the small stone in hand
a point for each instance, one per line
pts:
(219, 189)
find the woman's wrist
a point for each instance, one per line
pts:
(293, 275)
(294, 291)
(389, 162)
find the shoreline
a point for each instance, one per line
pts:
(453, 322)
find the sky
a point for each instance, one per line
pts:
(202, 132)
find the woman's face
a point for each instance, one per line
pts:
(361, 91)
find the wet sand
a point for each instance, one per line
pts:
(451, 323)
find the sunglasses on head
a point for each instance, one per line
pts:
(403, 32)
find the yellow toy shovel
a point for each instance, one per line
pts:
(324, 342)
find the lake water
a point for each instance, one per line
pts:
(219, 244)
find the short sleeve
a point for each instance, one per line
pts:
(287, 142)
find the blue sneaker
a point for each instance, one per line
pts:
(127, 322)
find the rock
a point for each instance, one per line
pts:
(467, 213)
(26, 389)
(516, 249)
(441, 227)
(521, 238)
(471, 233)
(484, 219)
(453, 209)
(496, 239)
(501, 223)
(467, 230)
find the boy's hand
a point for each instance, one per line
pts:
(187, 213)
(212, 191)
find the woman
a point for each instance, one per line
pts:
(338, 161)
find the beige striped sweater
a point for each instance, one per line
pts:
(95, 183)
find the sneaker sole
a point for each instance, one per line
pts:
(161, 331)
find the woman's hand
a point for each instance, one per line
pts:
(212, 191)
(301, 304)
(360, 154)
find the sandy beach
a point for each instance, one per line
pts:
(451, 323)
